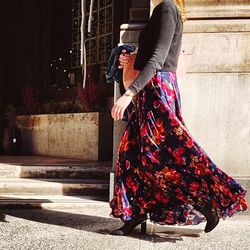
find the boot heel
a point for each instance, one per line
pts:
(144, 227)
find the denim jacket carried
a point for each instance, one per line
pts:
(113, 73)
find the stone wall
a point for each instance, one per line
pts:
(78, 135)
(215, 92)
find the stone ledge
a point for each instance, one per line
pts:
(217, 9)
(201, 26)
(21, 186)
(132, 26)
(51, 202)
(217, 26)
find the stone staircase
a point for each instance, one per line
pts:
(42, 182)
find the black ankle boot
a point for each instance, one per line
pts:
(129, 226)
(211, 216)
(212, 219)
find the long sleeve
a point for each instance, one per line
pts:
(166, 31)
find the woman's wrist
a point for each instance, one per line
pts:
(129, 93)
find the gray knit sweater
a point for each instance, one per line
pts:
(159, 44)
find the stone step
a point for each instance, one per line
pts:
(51, 202)
(88, 170)
(18, 186)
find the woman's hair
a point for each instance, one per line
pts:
(181, 7)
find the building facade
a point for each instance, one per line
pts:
(42, 50)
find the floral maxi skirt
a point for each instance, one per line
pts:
(160, 168)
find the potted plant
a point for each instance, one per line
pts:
(92, 97)
(11, 137)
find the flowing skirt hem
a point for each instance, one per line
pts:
(193, 216)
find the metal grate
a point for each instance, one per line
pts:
(99, 42)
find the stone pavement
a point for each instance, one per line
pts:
(87, 228)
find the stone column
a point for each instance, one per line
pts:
(139, 14)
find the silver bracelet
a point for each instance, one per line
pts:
(129, 93)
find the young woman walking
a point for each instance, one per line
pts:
(161, 171)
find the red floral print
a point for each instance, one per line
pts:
(161, 170)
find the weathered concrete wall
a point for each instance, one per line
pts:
(218, 46)
(215, 92)
(74, 135)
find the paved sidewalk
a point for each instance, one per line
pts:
(88, 227)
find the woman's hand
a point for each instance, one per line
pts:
(124, 59)
(120, 106)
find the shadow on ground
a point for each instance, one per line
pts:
(97, 224)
